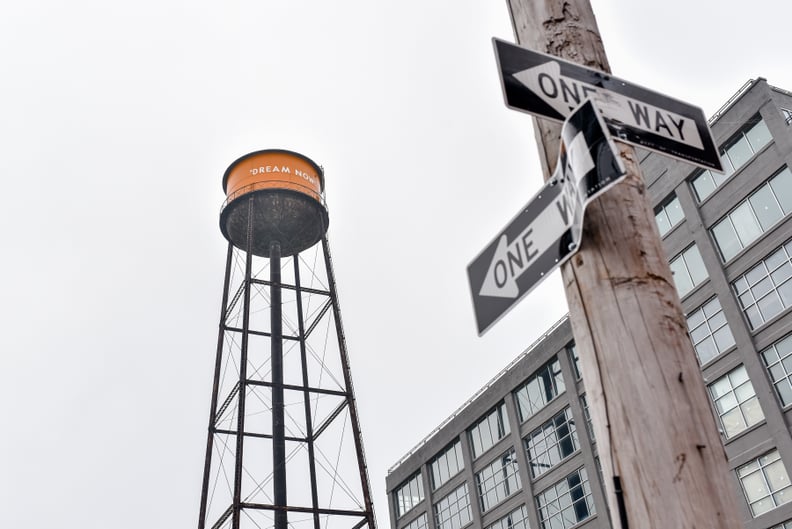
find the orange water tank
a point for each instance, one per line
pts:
(278, 196)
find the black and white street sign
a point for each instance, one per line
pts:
(547, 231)
(550, 87)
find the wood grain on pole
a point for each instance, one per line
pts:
(652, 418)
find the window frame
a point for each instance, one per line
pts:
(501, 477)
(711, 330)
(398, 503)
(761, 466)
(447, 508)
(734, 393)
(585, 486)
(729, 169)
(742, 288)
(663, 209)
(682, 257)
(456, 446)
(779, 361)
(550, 442)
(502, 424)
(729, 221)
(556, 383)
(508, 521)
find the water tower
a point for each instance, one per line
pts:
(284, 446)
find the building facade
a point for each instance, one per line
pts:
(520, 453)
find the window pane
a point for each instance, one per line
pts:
(674, 211)
(758, 136)
(762, 287)
(733, 422)
(766, 207)
(776, 475)
(704, 185)
(782, 273)
(695, 319)
(681, 277)
(573, 357)
(663, 225)
(784, 389)
(769, 306)
(723, 338)
(785, 291)
(726, 239)
(706, 350)
(669, 215)
(752, 412)
(698, 272)
(739, 152)
(782, 187)
(755, 487)
(745, 224)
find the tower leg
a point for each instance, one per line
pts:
(306, 395)
(215, 389)
(278, 428)
(243, 381)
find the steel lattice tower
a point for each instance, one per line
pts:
(284, 445)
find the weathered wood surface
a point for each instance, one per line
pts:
(652, 418)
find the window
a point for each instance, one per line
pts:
(587, 416)
(453, 511)
(517, 519)
(422, 522)
(553, 441)
(733, 154)
(542, 387)
(688, 270)
(489, 430)
(709, 331)
(446, 465)
(778, 360)
(765, 483)
(668, 215)
(567, 502)
(787, 115)
(755, 215)
(498, 480)
(574, 359)
(785, 525)
(765, 290)
(409, 494)
(736, 402)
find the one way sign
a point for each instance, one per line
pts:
(550, 87)
(547, 231)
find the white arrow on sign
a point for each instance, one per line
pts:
(548, 230)
(564, 94)
(513, 258)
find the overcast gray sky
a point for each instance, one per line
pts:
(118, 122)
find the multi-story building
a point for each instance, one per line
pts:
(520, 453)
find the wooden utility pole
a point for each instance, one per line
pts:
(663, 463)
